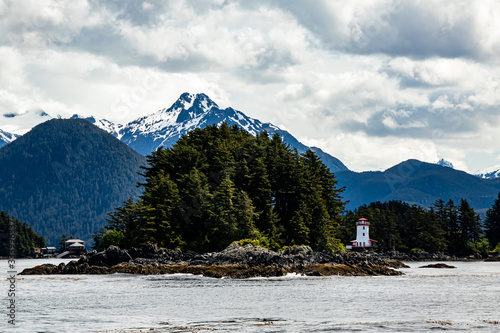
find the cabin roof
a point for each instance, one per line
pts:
(74, 241)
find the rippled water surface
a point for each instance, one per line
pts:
(461, 299)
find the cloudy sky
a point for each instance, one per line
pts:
(372, 82)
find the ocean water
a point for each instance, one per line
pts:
(454, 300)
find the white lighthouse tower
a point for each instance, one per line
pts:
(362, 235)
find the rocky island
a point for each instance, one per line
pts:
(235, 261)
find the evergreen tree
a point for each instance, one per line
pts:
(455, 241)
(62, 242)
(492, 223)
(161, 213)
(220, 184)
(97, 239)
(470, 223)
(25, 238)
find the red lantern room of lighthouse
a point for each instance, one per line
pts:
(362, 235)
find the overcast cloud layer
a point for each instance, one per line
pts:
(371, 82)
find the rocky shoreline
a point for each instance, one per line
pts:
(425, 256)
(234, 262)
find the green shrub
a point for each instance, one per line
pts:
(112, 237)
(248, 241)
(496, 249)
(480, 247)
(335, 245)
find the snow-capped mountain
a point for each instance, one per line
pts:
(190, 111)
(108, 126)
(6, 138)
(445, 163)
(489, 173)
(21, 123)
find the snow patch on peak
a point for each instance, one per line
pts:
(204, 102)
(489, 173)
(6, 138)
(188, 101)
(20, 123)
(104, 124)
(444, 163)
(90, 119)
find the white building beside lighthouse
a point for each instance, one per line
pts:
(362, 235)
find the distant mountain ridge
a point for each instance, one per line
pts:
(489, 173)
(419, 183)
(64, 176)
(191, 111)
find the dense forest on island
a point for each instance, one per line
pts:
(445, 227)
(220, 184)
(25, 239)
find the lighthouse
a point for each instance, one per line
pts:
(362, 235)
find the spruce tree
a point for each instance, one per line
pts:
(492, 223)
(220, 184)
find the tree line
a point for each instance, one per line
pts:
(25, 238)
(444, 227)
(220, 184)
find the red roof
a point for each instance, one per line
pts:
(362, 219)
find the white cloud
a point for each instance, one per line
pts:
(372, 82)
(361, 152)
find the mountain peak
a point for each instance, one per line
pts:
(444, 163)
(199, 103)
(102, 123)
(192, 105)
(90, 119)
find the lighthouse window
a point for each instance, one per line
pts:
(363, 233)
(363, 228)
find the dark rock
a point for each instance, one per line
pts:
(115, 255)
(82, 268)
(135, 252)
(98, 259)
(70, 268)
(439, 265)
(41, 270)
(296, 250)
(235, 261)
(61, 267)
(149, 250)
(83, 259)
